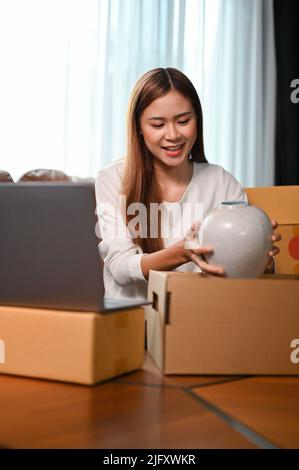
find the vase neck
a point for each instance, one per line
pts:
(233, 204)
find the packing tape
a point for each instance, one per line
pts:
(121, 320)
(120, 366)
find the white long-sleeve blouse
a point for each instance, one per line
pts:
(123, 278)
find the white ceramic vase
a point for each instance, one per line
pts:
(241, 237)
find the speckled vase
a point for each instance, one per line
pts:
(241, 237)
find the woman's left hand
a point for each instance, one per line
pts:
(276, 237)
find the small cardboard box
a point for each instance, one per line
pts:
(281, 203)
(206, 325)
(80, 347)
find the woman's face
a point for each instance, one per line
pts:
(168, 126)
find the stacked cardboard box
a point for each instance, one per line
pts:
(80, 347)
(282, 204)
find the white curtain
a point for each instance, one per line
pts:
(68, 66)
(239, 89)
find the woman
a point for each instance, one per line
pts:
(164, 178)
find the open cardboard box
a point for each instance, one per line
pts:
(80, 347)
(205, 325)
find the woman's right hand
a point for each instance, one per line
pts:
(196, 254)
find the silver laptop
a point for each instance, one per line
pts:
(49, 254)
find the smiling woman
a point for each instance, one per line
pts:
(165, 164)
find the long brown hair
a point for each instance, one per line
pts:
(139, 182)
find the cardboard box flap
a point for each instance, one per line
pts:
(158, 295)
(281, 203)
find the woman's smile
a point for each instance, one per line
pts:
(173, 150)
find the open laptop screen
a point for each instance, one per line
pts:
(48, 247)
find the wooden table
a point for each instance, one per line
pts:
(146, 410)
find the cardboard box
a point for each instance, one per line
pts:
(206, 325)
(281, 203)
(78, 347)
